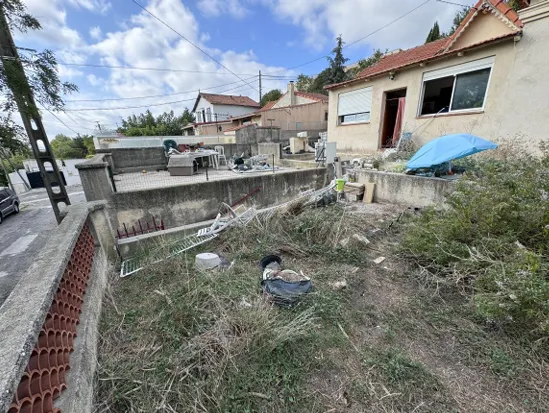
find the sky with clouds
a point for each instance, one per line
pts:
(244, 36)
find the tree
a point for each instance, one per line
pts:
(375, 57)
(434, 34)
(41, 67)
(165, 124)
(304, 82)
(65, 147)
(458, 18)
(274, 94)
(12, 137)
(337, 63)
(322, 79)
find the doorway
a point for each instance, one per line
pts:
(395, 101)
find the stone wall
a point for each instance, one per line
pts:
(190, 203)
(409, 190)
(137, 159)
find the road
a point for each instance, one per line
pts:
(21, 235)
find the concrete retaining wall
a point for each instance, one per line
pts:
(407, 190)
(137, 159)
(187, 204)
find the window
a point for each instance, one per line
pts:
(458, 88)
(355, 106)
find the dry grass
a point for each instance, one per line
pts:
(174, 340)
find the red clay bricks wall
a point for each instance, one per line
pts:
(44, 377)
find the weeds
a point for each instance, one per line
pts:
(177, 340)
(492, 239)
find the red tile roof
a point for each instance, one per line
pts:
(438, 48)
(235, 128)
(404, 58)
(319, 97)
(227, 100)
(268, 105)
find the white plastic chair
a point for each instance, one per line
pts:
(220, 154)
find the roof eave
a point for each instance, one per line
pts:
(431, 59)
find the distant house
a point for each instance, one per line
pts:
(489, 78)
(294, 111)
(210, 107)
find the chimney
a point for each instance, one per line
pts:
(291, 92)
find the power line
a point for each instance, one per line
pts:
(157, 96)
(455, 4)
(143, 106)
(59, 119)
(193, 44)
(362, 38)
(153, 69)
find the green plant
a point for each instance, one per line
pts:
(492, 239)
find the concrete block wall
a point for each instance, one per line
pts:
(409, 190)
(191, 203)
(137, 159)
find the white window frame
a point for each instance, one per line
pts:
(369, 89)
(455, 71)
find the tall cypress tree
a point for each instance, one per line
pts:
(434, 34)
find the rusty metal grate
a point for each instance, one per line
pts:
(45, 376)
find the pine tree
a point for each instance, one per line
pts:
(337, 63)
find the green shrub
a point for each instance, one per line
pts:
(493, 236)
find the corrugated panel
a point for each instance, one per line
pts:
(45, 376)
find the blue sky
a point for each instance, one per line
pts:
(246, 36)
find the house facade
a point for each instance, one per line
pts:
(211, 108)
(489, 78)
(294, 111)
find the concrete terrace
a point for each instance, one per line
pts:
(136, 181)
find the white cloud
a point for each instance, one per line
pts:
(214, 8)
(96, 6)
(323, 20)
(96, 33)
(142, 41)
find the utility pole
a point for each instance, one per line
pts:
(260, 94)
(99, 125)
(31, 119)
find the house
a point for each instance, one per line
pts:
(210, 107)
(293, 112)
(489, 78)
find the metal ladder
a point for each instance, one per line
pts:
(133, 265)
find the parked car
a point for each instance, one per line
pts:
(9, 203)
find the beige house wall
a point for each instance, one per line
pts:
(285, 101)
(484, 26)
(307, 116)
(516, 106)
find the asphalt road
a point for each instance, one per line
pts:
(22, 234)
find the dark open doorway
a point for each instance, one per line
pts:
(395, 102)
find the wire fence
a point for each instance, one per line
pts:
(199, 173)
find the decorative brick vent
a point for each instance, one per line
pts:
(45, 376)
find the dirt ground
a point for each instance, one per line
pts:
(386, 336)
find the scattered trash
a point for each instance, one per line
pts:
(210, 261)
(207, 261)
(379, 260)
(344, 242)
(339, 285)
(285, 287)
(361, 238)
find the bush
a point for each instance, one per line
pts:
(492, 237)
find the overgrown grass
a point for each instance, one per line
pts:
(492, 240)
(177, 340)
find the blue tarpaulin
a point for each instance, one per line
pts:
(447, 148)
